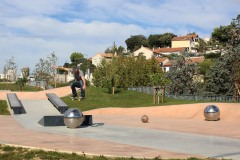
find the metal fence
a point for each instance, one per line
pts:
(148, 90)
(218, 98)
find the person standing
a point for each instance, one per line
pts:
(80, 81)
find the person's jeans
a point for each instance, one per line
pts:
(77, 84)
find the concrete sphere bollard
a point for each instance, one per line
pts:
(212, 113)
(145, 119)
(73, 118)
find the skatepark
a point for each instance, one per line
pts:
(177, 131)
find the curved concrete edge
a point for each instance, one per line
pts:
(38, 95)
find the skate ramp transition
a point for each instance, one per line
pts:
(39, 112)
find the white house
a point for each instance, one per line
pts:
(97, 59)
(189, 41)
(158, 52)
(207, 39)
(2, 76)
(66, 77)
(11, 75)
(147, 52)
(165, 63)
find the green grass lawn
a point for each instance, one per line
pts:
(4, 108)
(98, 98)
(14, 87)
(19, 153)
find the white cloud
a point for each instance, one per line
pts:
(63, 38)
(28, 7)
(31, 30)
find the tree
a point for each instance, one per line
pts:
(67, 65)
(235, 31)
(201, 45)
(218, 79)
(87, 66)
(153, 40)
(204, 66)
(104, 76)
(159, 81)
(51, 61)
(76, 58)
(221, 34)
(224, 75)
(235, 53)
(235, 69)
(135, 42)
(21, 82)
(166, 40)
(44, 68)
(212, 55)
(10, 69)
(181, 77)
(109, 74)
(25, 72)
(124, 72)
(114, 49)
(112, 77)
(160, 40)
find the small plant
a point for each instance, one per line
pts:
(158, 79)
(21, 83)
(4, 108)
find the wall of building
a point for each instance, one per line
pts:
(97, 59)
(177, 44)
(146, 52)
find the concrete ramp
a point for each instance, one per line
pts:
(36, 110)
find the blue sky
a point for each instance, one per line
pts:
(30, 30)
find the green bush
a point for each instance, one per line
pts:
(4, 108)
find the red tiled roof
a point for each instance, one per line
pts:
(182, 38)
(168, 64)
(185, 38)
(193, 35)
(195, 60)
(160, 60)
(106, 55)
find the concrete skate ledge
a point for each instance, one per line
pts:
(57, 102)
(15, 103)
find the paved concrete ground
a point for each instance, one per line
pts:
(119, 132)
